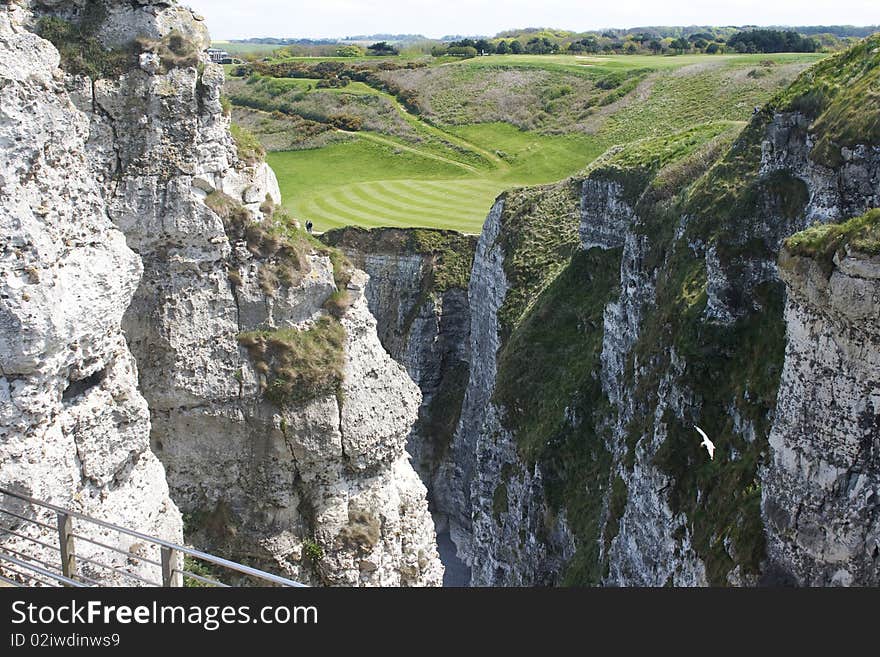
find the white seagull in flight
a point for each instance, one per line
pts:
(708, 444)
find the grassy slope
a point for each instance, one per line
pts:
(384, 179)
(842, 97)
(552, 324)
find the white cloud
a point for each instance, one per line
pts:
(332, 18)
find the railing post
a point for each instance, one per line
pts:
(65, 542)
(170, 558)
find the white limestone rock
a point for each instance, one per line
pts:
(821, 497)
(258, 481)
(73, 426)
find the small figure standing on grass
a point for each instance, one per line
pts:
(309, 226)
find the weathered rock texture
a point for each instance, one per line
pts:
(321, 490)
(423, 319)
(486, 291)
(74, 429)
(822, 492)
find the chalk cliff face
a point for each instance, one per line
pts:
(317, 486)
(74, 428)
(822, 491)
(486, 290)
(595, 475)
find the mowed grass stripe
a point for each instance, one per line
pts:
(475, 186)
(400, 196)
(450, 200)
(360, 199)
(373, 214)
(382, 218)
(410, 195)
(375, 197)
(332, 210)
(444, 192)
(317, 210)
(418, 193)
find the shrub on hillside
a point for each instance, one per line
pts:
(347, 122)
(462, 51)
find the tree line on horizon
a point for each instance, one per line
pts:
(752, 41)
(648, 40)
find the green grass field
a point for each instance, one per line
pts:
(447, 176)
(238, 49)
(375, 183)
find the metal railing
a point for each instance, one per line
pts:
(66, 568)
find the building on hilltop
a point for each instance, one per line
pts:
(219, 56)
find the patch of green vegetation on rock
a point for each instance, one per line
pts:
(539, 235)
(298, 365)
(548, 383)
(312, 551)
(719, 193)
(453, 255)
(499, 501)
(249, 148)
(732, 202)
(841, 96)
(202, 569)
(82, 53)
(452, 252)
(823, 241)
(637, 164)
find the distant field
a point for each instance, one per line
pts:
(246, 48)
(624, 62)
(445, 171)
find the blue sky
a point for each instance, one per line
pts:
(334, 18)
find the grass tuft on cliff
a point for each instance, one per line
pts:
(282, 248)
(298, 365)
(81, 51)
(174, 51)
(822, 241)
(250, 150)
